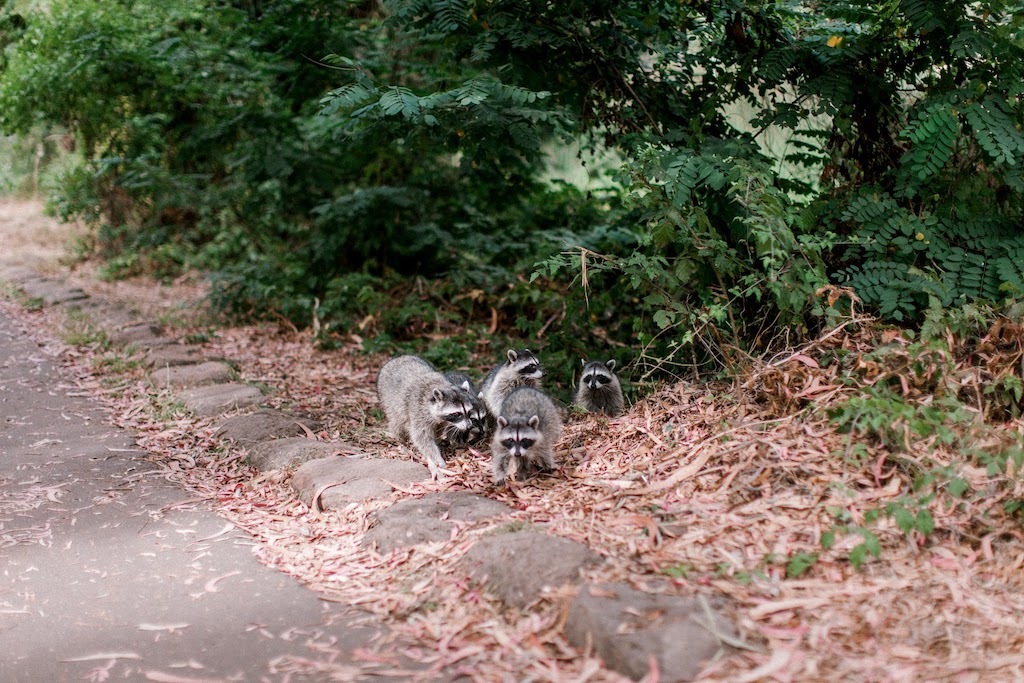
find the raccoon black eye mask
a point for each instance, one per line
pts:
(528, 428)
(520, 369)
(599, 389)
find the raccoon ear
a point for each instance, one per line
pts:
(512, 355)
(480, 394)
(502, 422)
(610, 364)
(438, 395)
(583, 362)
(465, 385)
(534, 421)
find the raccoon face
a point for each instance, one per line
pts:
(525, 364)
(452, 409)
(478, 416)
(477, 407)
(597, 375)
(519, 437)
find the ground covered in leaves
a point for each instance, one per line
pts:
(856, 503)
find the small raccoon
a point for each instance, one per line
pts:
(527, 430)
(478, 414)
(522, 369)
(422, 407)
(599, 390)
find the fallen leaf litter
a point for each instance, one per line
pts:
(693, 487)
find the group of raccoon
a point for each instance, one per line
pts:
(428, 409)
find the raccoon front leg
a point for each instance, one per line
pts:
(423, 442)
(500, 463)
(546, 462)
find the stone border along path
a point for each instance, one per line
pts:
(631, 631)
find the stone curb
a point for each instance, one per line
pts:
(291, 451)
(627, 628)
(211, 400)
(434, 518)
(521, 567)
(187, 376)
(263, 425)
(333, 483)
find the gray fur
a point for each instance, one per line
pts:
(521, 369)
(422, 408)
(528, 427)
(599, 390)
(478, 413)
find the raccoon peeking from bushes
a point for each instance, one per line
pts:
(424, 409)
(528, 427)
(599, 390)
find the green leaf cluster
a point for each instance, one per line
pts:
(763, 151)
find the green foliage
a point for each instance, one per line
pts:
(871, 544)
(799, 564)
(940, 225)
(303, 151)
(912, 515)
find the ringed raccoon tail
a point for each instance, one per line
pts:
(521, 369)
(478, 413)
(422, 408)
(528, 427)
(599, 390)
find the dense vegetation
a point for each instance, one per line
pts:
(386, 168)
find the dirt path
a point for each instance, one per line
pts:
(109, 569)
(32, 237)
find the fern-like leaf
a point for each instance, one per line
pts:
(399, 100)
(933, 136)
(995, 131)
(450, 15)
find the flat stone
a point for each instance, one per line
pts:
(219, 398)
(627, 627)
(103, 314)
(52, 292)
(111, 316)
(520, 567)
(184, 376)
(332, 483)
(139, 334)
(175, 354)
(263, 424)
(278, 454)
(428, 519)
(18, 274)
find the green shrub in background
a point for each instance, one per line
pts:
(932, 200)
(319, 157)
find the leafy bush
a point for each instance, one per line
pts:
(300, 149)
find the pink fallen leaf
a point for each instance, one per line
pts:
(162, 677)
(162, 627)
(103, 655)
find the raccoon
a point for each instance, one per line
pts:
(423, 408)
(528, 427)
(522, 369)
(478, 414)
(599, 390)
